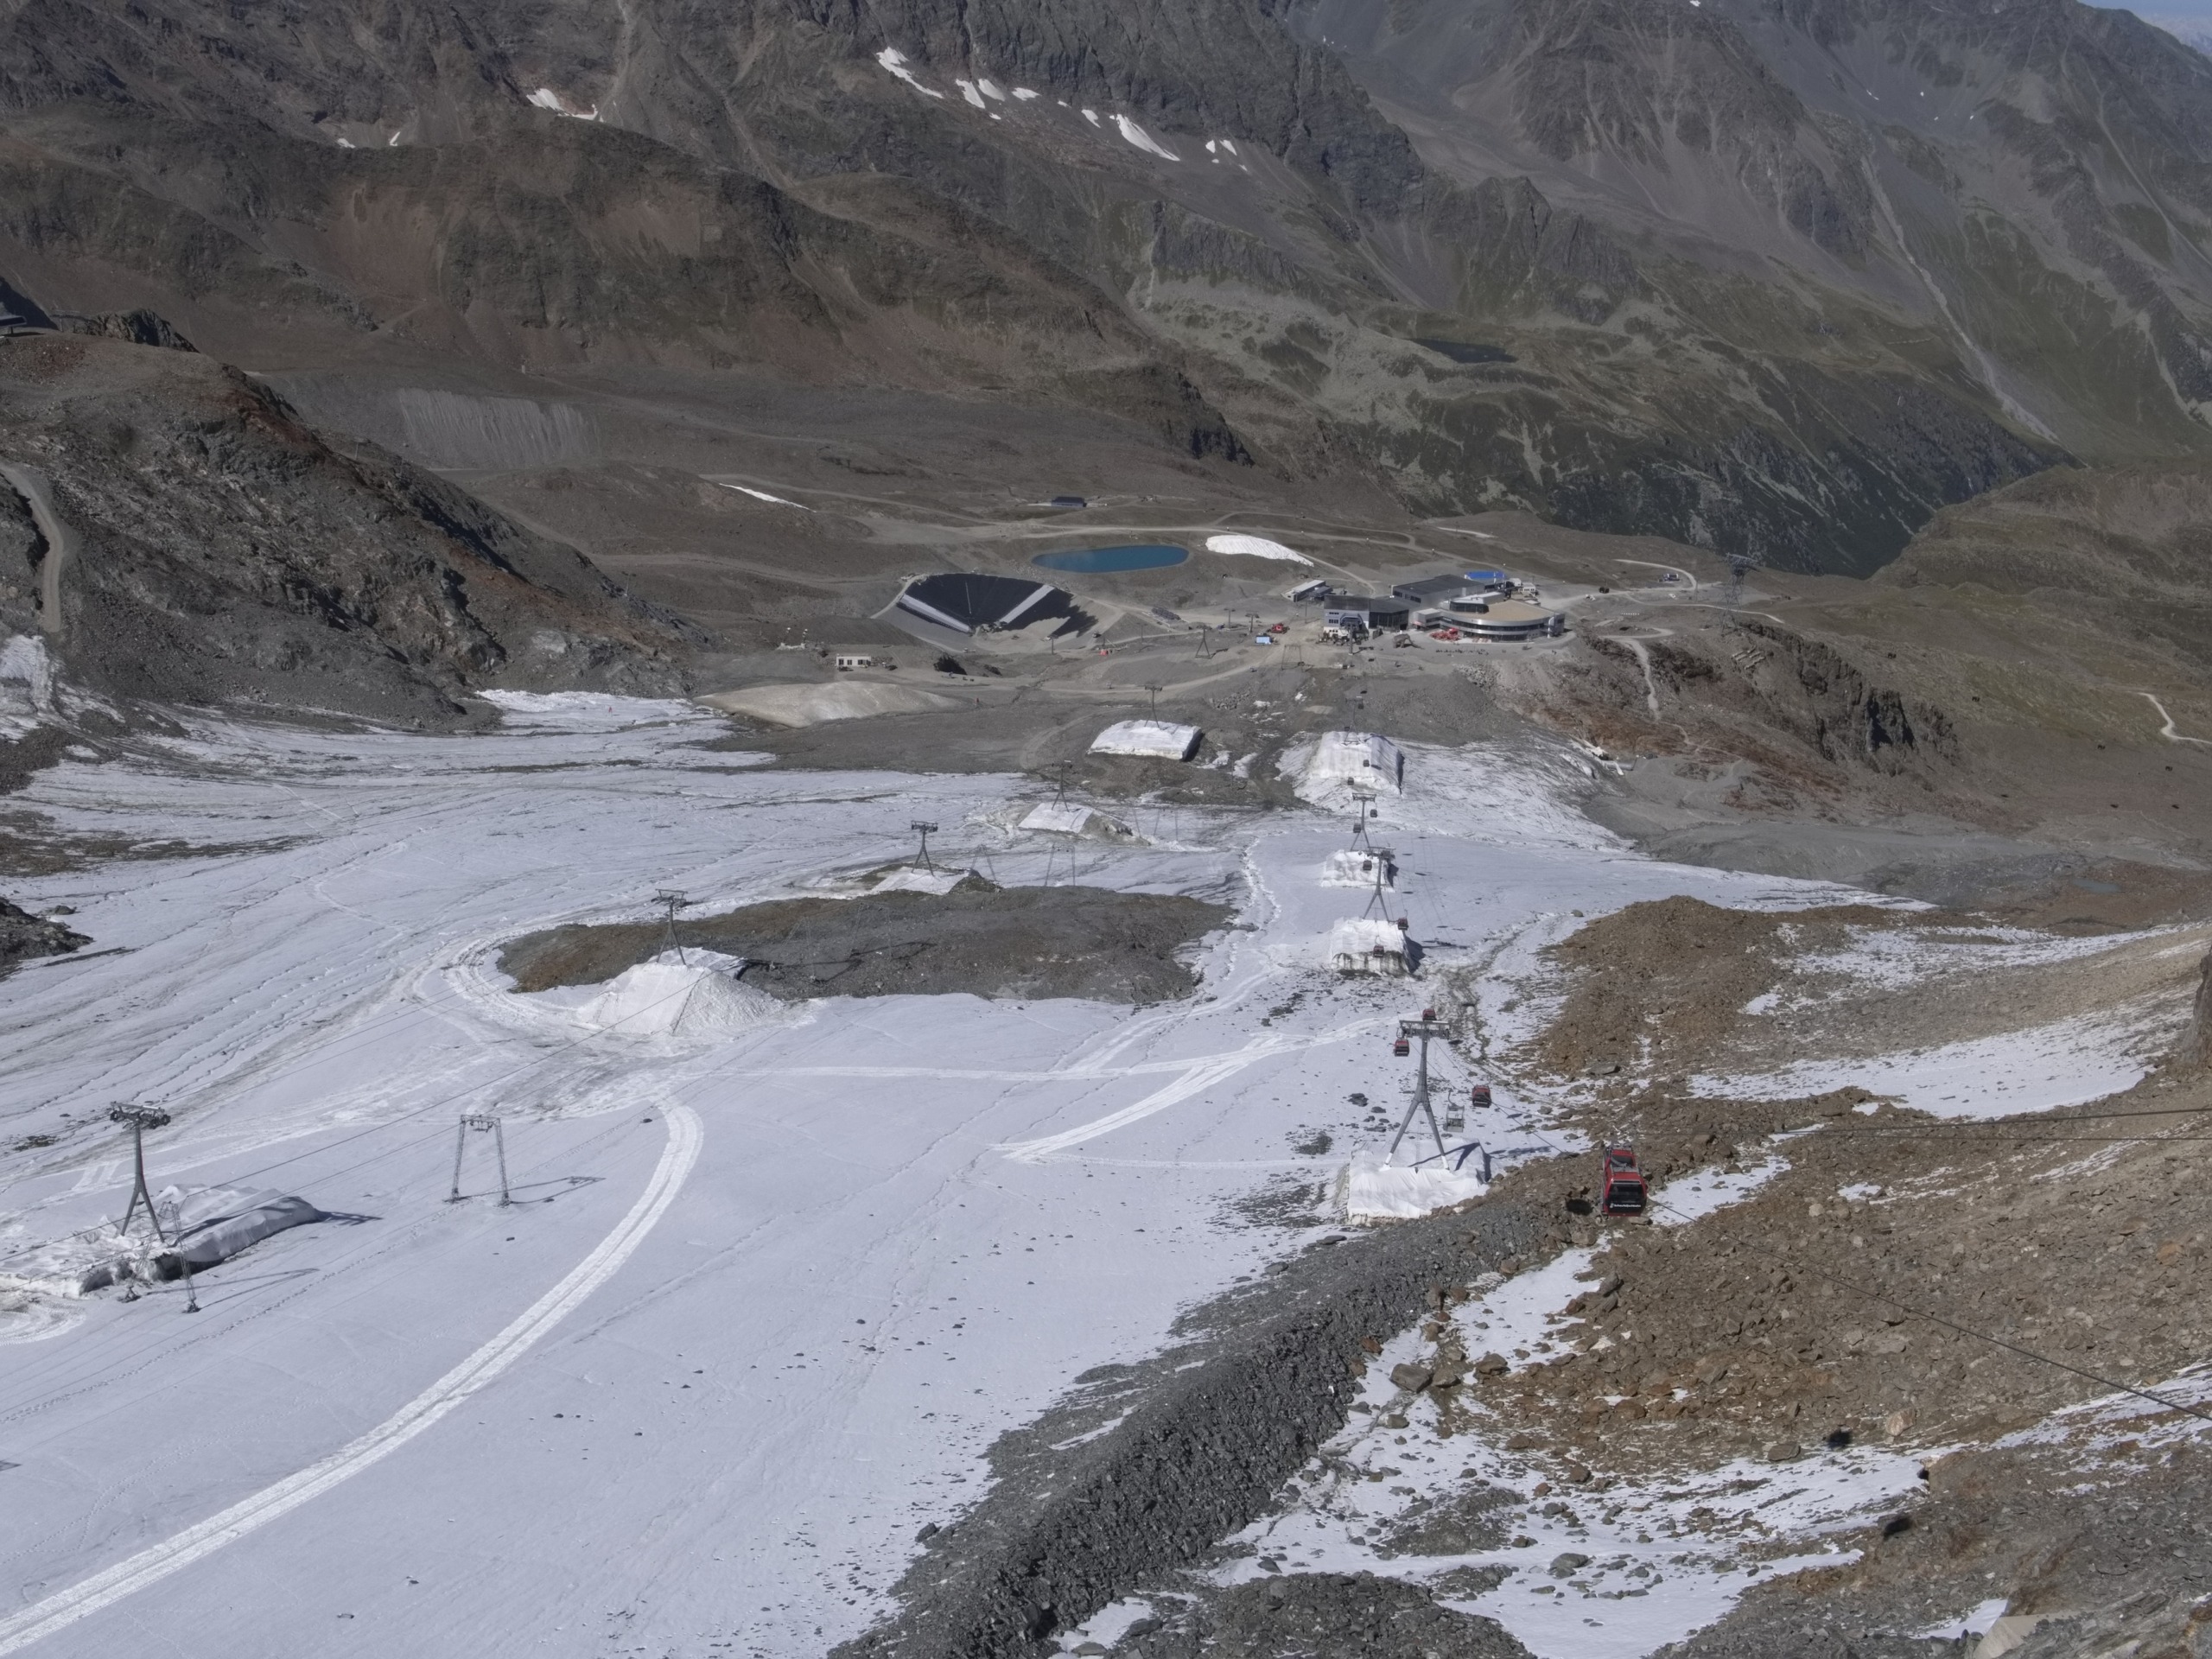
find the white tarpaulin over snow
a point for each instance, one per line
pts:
(1161, 738)
(1357, 946)
(1353, 868)
(1342, 758)
(1371, 1189)
(1066, 818)
(695, 997)
(912, 879)
(202, 1225)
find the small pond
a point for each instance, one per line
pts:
(1098, 561)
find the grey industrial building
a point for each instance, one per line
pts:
(1441, 590)
(1356, 611)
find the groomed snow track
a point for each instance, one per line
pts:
(1205, 1437)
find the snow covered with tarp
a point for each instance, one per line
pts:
(1069, 818)
(1341, 760)
(1352, 867)
(1162, 739)
(690, 994)
(1372, 1188)
(1366, 946)
(200, 1226)
(912, 878)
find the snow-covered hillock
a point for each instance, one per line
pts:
(1357, 946)
(1353, 868)
(1162, 739)
(689, 994)
(1370, 1188)
(1068, 819)
(1337, 762)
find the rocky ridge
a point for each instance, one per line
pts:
(829, 213)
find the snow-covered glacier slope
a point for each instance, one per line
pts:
(762, 1299)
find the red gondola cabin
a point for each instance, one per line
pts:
(1478, 1097)
(1622, 1192)
(1403, 1047)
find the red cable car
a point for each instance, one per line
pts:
(1401, 1047)
(1621, 1192)
(1478, 1097)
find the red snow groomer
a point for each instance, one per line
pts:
(1621, 1191)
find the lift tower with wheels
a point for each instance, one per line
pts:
(140, 1119)
(1428, 1025)
(675, 901)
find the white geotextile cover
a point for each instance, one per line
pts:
(1254, 547)
(1342, 758)
(204, 1224)
(666, 997)
(1160, 738)
(1066, 818)
(1350, 869)
(811, 705)
(217, 1223)
(909, 879)
(1353, 942)
(1371, 1189)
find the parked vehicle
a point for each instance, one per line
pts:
(1621, 1191)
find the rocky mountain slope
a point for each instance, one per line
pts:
(173, 531)
(1781, 280)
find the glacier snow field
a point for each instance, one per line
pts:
(766, 1292)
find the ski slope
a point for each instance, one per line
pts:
(765, 1297)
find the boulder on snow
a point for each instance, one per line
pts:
(2196, 1040)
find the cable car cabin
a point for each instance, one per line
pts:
(1622, 1192)
(1478, 1097)
(1403, 1047)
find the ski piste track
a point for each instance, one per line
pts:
(149, 1566)
(783, 1291)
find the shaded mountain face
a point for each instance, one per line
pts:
(216, 549)
(1782, 279)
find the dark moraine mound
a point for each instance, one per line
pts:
(1014, 942)
(23, 936)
